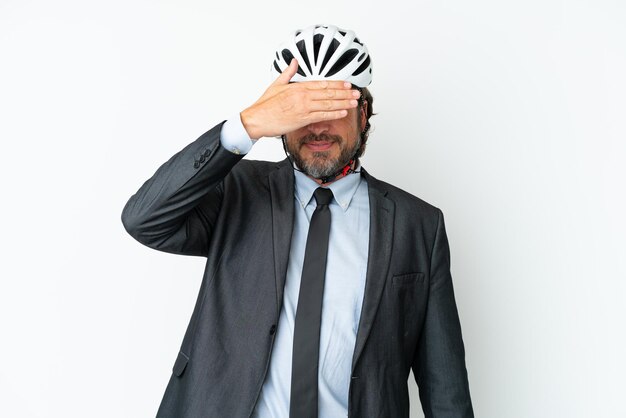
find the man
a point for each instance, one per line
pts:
(323, 285)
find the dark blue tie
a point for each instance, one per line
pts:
(306, 338)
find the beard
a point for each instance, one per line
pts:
(321, 163)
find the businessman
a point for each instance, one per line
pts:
(323, 286)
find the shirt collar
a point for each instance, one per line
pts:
(343, 189)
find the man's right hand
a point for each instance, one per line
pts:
(285, 107)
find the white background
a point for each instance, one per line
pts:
(509, 116)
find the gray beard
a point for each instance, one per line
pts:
(322, 164)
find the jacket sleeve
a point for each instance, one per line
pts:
(175, 210)
(439, 360)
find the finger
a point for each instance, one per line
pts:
(326, 94)
(327, 84)
(326, 115)
(288, 73)
(328, 105)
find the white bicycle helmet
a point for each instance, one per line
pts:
(325, 52)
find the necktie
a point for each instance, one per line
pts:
(306, 338)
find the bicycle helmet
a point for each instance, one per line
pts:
(325, 52)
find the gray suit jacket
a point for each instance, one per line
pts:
(206, 201)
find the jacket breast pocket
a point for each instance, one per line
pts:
(407, 279)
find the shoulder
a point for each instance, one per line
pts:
(255, 173)
(256, 167)
(406, 204)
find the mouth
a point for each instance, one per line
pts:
(319, 145)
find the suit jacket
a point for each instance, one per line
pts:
(206, 201)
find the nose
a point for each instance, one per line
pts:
(318, 128)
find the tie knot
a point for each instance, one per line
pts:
(323, 196)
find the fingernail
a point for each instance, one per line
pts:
(346, 84)
(356, 93)
(353, 102)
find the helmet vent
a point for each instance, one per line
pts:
(362, 67)
(288, 56)
(317, 42)
(344, 60)
(331, 50)
(305, 56)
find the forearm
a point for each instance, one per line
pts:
(173, 211)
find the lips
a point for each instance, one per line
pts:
(319, 145)
(322, 142)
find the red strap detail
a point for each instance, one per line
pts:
(346, 168)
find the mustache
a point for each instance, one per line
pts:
(319, 138)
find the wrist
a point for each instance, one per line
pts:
(249, 124)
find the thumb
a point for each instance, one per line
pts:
(289, 72)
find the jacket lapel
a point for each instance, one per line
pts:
(281, 190)
(382, 212)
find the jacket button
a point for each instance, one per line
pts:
(196, 164)
(272, 329)
(202, 158)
